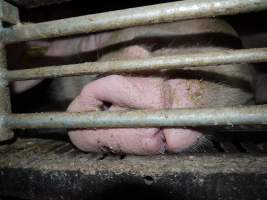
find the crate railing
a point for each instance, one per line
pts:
(168, 12)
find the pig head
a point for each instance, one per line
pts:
(210, 86)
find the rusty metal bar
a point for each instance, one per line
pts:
(242, 115)
(167, 12)
(5, 133)
(157, 63)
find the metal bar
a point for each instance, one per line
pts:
(5, 133)
(130, 66)
(141, 118)
(9, 13)
(167, 12)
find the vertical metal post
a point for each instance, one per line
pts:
(10, 15)
(5, 107)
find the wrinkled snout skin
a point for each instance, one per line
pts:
(132, 93)
(209, 86)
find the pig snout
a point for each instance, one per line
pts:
(124, 92)
(199, 87)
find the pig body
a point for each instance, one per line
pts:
(209, 86)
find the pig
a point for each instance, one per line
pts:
(208, 86)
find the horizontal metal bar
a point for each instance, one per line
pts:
(8, 13)
(156, 63)
(141, 118)
(167, 12)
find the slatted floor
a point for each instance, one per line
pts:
(45, 168)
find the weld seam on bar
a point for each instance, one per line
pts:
(166, 12)
(241, 115)
(156, 63)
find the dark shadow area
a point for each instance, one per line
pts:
(49, 134)
(77, 8)
(7, 142)
(38, 99)
(133, 191)
(10, 198)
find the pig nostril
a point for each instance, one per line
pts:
(149, 180)
(105, 106)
